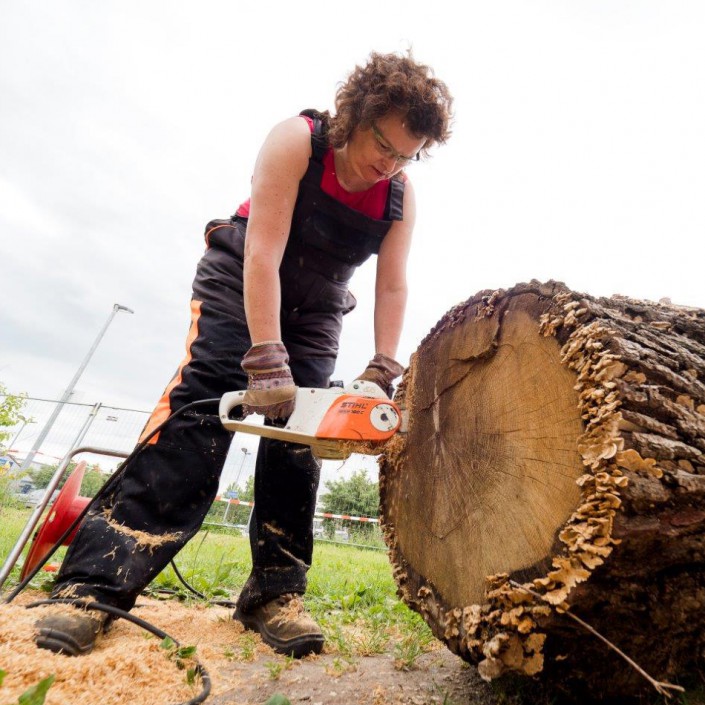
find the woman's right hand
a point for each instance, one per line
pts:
(270, 387)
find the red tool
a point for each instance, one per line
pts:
(68, 505)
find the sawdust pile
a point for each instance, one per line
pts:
(127, 664)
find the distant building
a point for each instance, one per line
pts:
(10, 468)
(8, 464)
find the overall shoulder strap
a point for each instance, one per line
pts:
(395, 200)
(319, 140)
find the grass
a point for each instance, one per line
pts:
(243, 650)
(351, 591)
(276, 668)
(13, 517)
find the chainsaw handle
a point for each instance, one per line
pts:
(228, 402)
(323, 448)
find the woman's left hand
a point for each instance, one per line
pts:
(382, 370)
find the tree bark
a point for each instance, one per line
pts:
(556, 444)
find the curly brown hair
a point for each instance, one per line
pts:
(392, 83)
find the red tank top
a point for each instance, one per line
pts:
(371, 202)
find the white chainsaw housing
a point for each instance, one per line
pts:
(327, 420)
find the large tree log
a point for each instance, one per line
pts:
(556, 441)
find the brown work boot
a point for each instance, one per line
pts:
(284, 625)
(70, 634)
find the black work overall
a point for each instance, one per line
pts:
(129, 536)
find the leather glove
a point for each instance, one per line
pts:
(382, 370)
(270, 387)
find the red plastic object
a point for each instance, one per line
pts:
(355, 418)
(68, 505)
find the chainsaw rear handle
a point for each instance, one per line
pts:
(230, 401)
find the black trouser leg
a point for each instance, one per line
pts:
(165, 493)
(133, 534)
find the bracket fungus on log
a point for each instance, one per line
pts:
(556, 441)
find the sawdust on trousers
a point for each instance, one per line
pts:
(143, 539)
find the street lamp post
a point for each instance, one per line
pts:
(69, 390)
(245, 452)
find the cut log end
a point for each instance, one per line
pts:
(546, 429)
(493, 434)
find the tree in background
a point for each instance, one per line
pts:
(246, 493)
(11, 406)
(93, 479)
(238, 513)
(357, 495)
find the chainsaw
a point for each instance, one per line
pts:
(334, 422)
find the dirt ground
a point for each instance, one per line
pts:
(128, 666)
(438, 677)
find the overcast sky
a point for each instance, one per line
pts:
(578, 154)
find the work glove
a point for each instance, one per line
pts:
(382, 370)
(270, 387)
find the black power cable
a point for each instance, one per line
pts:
(115, 612)
(190, 588)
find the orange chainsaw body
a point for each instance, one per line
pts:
(355, 418)
(328, 419)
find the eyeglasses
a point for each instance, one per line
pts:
(385, 149)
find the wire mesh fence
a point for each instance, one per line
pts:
(346, 511)
(347, 529)
(77, 424)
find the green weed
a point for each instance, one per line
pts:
(340, 666)
(371, 641)
(276, 668)
(209, 580)
(246, 645)
(336, 638)
(278, 699)
(183, 657)
(37, 693)
(408, 650)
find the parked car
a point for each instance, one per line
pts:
(33, 498)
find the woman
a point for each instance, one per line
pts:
(268, 301)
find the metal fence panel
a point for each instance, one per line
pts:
(105, 426)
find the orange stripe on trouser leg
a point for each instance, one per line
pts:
(162, 411)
